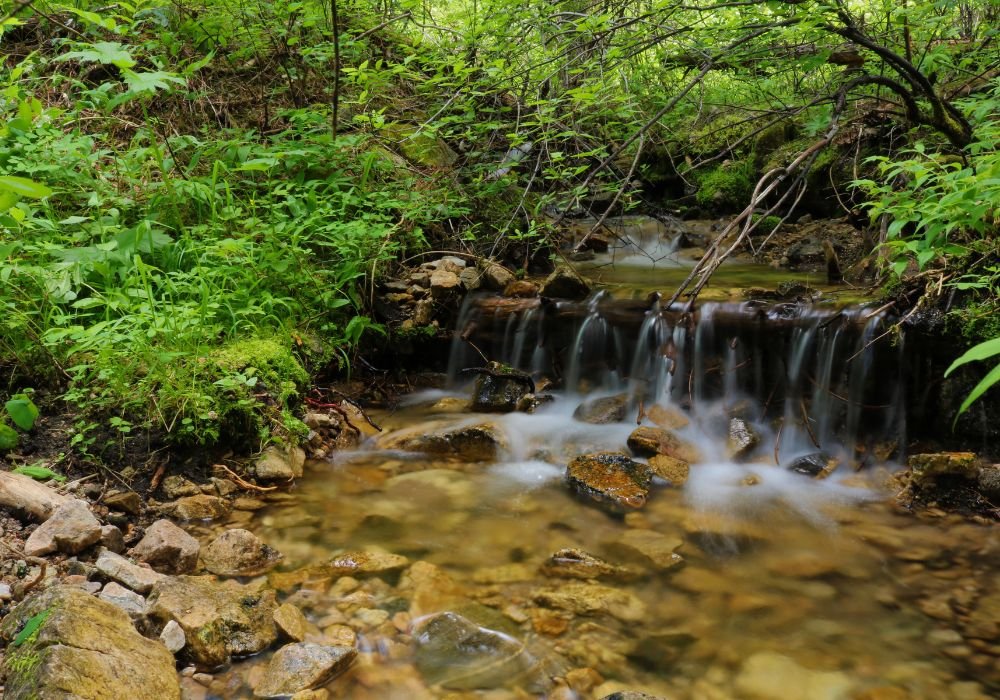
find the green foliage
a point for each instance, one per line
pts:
(40, 473)
(982, 351)
(725, 188)
(22, 411)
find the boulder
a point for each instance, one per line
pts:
(219, 621)
(168, 549)
(300, 666)
(471, 443)
(742, 439)
(564, 283)
(239, 552)
(118, 568)
(925, 467)
(201, 507)
(611, 480)
(495, 276)
(276, 464)
(500, 388)
(607, 409)
(667, 417)
(444, 284)
(71, 529)
(82, 647)
(455, 653)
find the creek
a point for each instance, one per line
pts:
(747, 578)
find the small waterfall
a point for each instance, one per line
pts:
(812, 372)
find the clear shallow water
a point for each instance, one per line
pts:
(811, 589)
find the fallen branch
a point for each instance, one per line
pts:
(243, 483)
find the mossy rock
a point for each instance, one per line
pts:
(726, 188)
(420, 146)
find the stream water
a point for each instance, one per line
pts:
(789, 586)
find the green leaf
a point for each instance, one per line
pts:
(40, 473)
(30, 627)
(989, 380)
(8, 437)
(22, 411)
(23, 187)
(102, 52)
(982, 351)
(151, 81)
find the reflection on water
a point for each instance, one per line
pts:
(789, 588)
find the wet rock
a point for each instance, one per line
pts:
(648, 548)
(455, 653)
(473, 443)
(631, 695)
(367, 563)
(71, 529)
(127, 501)
(239, 552)
(173, 637)
(593, 599)
(767, 675)
(666, 417)
(983, 621)
(564, 283)
(612, 480)
(658, 652)
(167, 548)
(647, 441)
(276, 464)
(132, 603)
(811, 464)
(928, 466)
(430, 589)
(118, 568)
(600, 411)
(112, 539)
(218, 621)
(176, 486)
(495, 276)
(674, 470)
(201, 507)
(302, 666)
(291, 622)
(742, 439)
(444, 284)
(500, 388)
(521, 289)
(989, 481)
(84, 648)
(470, 278)
(575, 563)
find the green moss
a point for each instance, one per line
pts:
(976, 321)
(725, 188)
(271, 359)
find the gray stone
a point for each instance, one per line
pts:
(112, 539)
(173, 637)
(168, 548)
(132, 603)
(495, 276)
(607, 409)
(564, 283)
(275, 464)
(301, 666)
(70, 529)
(202, 507)
(5, 592)
(84, 648)
(219, 621)
(120, 569)
(176, 486)
(239, 552)
(470, 278)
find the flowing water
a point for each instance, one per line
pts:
(790, 587)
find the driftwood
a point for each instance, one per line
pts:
(24, 493)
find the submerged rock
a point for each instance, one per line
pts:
(575, 563)
(218, 621)
(239, 552)
(612, 480)
(500, 388)
(674, 470)
(473, 443)
(275, 464)
(649, 548)
(768, 675)
(302, 666)
(647, 441)
(168, 548)
(82, 647)
(593, 599)
(455, 653)
(71, 529)
(564, 283)
(600, 411)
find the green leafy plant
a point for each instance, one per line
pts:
(982, 351)
(38, 472)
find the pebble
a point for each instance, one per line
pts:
(173, 638)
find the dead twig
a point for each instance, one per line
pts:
(243, 483)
